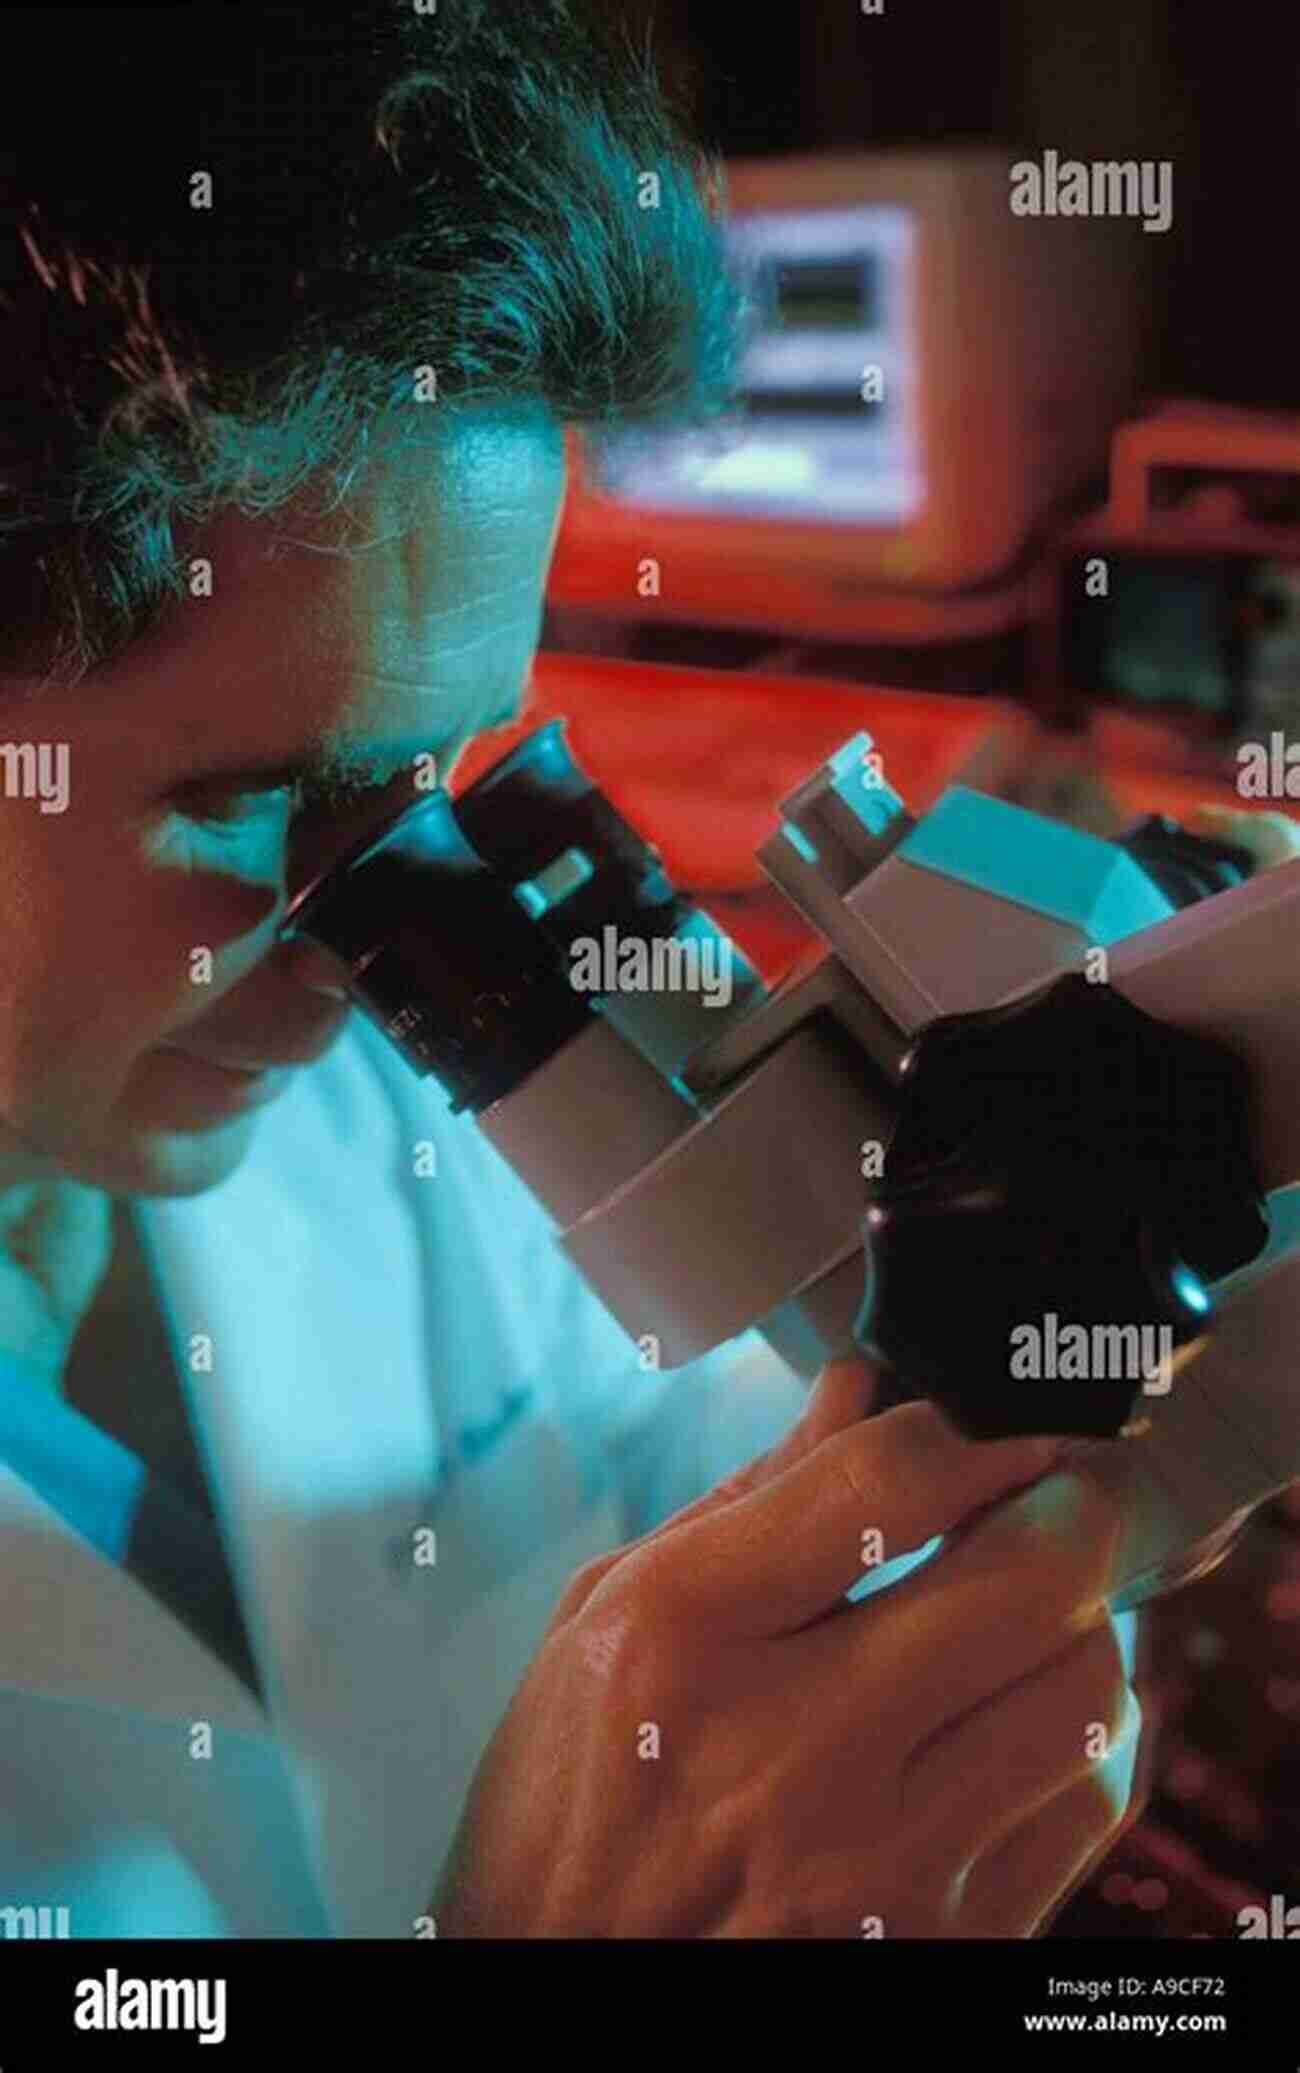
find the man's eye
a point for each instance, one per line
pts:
(219, 805)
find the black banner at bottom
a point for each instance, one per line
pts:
(1210, 2000)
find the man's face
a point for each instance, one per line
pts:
(400, 625)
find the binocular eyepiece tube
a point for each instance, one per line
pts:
(524, 945)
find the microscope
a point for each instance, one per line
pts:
(1010, 1129)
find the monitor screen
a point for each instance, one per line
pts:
(1157, 636)
(1215, 635)
(825, 294)
(823, 425)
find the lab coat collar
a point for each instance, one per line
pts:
(78, 1627)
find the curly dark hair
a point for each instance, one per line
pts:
(229, 235)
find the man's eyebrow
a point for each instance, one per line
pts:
(342, 762)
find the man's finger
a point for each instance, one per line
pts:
(1032, 1875)
(843, 1394)
(1270, 838)
(840, 1397)
(783, 1556)
(999, 1599)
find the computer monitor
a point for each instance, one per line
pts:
(925, 375)
(829, 428)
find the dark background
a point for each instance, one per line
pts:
(1211, 87)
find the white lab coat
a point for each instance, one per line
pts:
(392, 1351)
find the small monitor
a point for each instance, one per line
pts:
(1209, 640)
(925, 375)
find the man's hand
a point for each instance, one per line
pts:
(55, 1242)
(1270, 838)
(712, 1742)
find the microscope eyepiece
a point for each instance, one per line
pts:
(576, 864)
(593, 885)
(442, 956)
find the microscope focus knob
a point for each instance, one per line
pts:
(1065, 1177)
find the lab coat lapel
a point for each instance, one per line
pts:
(80, 1628)
(301, 1278)
(294, 1300)
(393, 1599)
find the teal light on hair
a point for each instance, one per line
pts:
(463, 189)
